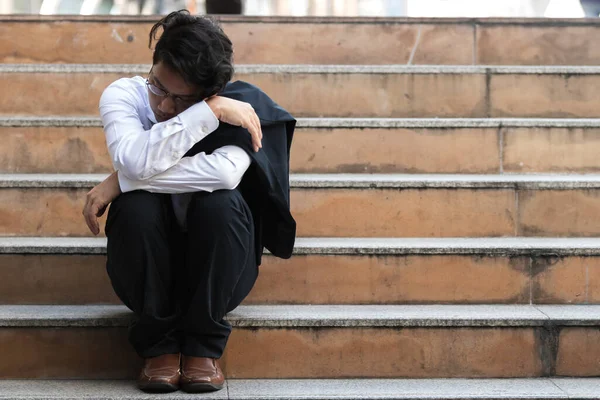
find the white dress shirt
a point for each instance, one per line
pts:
(149, 155)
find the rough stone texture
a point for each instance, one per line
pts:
(54, 150)
(437, 213)
(101, 316)
(578, 352)
(350, 246)
(559, 213)
(349, 341)
(83, 150)
(300, 389)
(252, 69)
(370, 353)
(380, 181)
(593, 281)
(92, 389)
(319, 316)
(441, 44)
(561, 280)
(315, 123)
(401, 150)
(47, 245)
(338, 91)
(407, 213)
(398, 389)
(322, 42)
(335, 91)
(565, 315)
(326, 279)
(101, 353)
(578, 388)
(556, 95)
(386, 41)
(318, 279)
(391, 280)
(55, 279)
(397, 316)
(551, 150)
(544, 45)
(389, 95)
(44, 212)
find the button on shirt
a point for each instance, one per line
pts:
(149, 155)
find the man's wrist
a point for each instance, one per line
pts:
(213, 104)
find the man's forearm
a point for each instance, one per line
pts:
(223, 169)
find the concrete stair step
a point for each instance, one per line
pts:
(337, 90)
(342, 145)
(322, 341)
(315, 40)
(320, 389)
(357, 205)
(39, 270)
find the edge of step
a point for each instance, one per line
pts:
(317, 69)
(358, 123)
(323, 316)
(321, 389)
(353, 181)
(509, 246)
(362, 20)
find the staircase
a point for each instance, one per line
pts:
(445, 181)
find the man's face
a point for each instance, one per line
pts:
(168, 93)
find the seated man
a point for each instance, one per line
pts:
(194, 200)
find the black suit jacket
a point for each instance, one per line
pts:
(266, 185)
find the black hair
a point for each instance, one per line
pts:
(196, 48)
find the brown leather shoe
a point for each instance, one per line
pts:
(201, 374)
(160, 374)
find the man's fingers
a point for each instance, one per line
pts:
(101, 211)
(254, 133)
(256, 123)
(90, 218)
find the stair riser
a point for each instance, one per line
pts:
(314, 279)
(357, 212)
(468, 42)
(318, 353)
(343, 95)
(255, 43)
(342, 150)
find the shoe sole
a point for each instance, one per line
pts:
(200, 387)
(158, 387)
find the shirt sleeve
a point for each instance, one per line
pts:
(140, 154)
(222, 169)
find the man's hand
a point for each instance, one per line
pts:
(98, 199)
(237, 113)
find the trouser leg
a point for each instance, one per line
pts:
(140, 235)
(220, 269)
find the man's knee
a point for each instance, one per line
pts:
(217, 207)
(138, 210)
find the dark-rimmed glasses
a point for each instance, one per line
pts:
(180, 101)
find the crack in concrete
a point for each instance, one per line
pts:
(414, 50)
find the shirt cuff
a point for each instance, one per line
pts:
(199, 120)
(129, 185)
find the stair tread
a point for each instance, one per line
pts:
(505, 246)
(278, 316)
(95, 121)
(536, 388)
(316, 69)
(382, 181)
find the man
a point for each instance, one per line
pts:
(194, 200)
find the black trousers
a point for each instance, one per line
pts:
(180, 284)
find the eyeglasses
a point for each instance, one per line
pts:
(180, 102)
